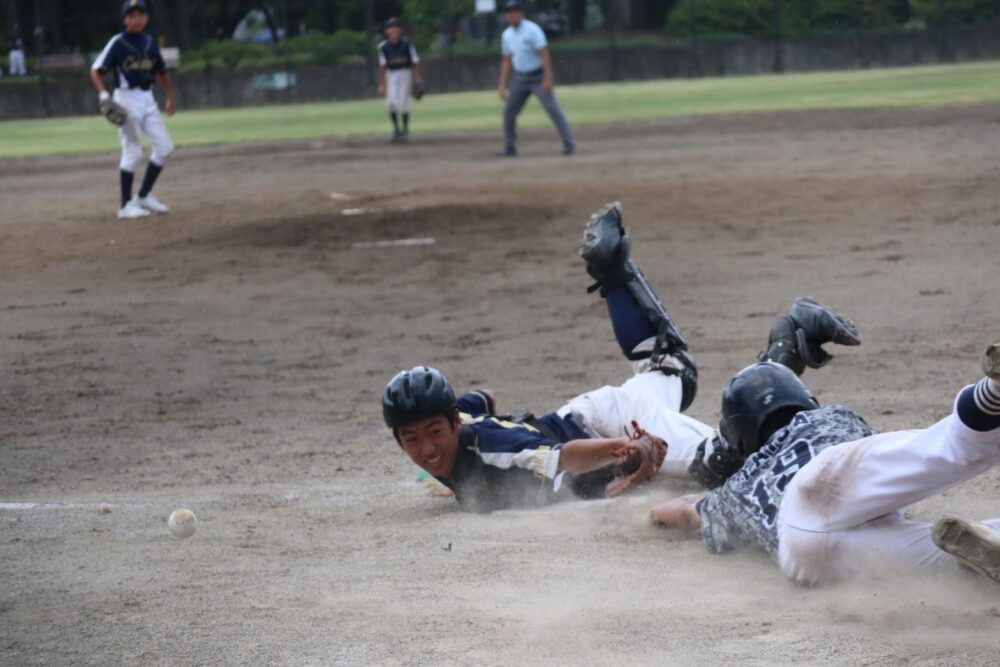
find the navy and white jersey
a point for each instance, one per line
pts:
(744, 509)
(16, 44)
(135, 59)
(401, 55)
(507, 463)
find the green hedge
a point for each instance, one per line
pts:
(756, 17)
(313, 48)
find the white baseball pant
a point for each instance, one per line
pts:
(653, 400)
(143, 119)
(845, 509)
(17, 65)
(398, 90)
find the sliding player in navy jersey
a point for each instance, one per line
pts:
(588, 448)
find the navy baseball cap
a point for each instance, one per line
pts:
(513, 6)
(129, 5)
(392, 22)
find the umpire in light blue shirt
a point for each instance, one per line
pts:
(526, 54)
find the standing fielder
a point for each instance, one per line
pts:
(585, 449)
(824, 495)
(398, 73)
(136, 61)
(526, 54)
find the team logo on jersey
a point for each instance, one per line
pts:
(133, 64)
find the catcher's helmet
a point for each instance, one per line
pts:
(416, 394)
(759, 400)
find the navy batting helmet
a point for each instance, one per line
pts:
(759, 400)
(416, 394)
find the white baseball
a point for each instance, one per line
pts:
(182, 523)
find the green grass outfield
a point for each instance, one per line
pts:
(585, 104)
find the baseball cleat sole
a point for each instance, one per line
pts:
(991, 361)
(973, 543)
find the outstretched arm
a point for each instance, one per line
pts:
(678, 513)
(580, 456)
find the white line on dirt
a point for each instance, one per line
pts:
(394, 243)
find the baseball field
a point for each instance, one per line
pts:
(591, 104)
(229, 357)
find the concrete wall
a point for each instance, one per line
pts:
(224, 88)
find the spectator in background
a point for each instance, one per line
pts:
(17, 65)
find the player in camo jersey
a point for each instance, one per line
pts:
(825, 496)
(496, 462)
(398, 73)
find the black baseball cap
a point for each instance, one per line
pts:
(129, 5)
(513, 6)
(392, 22)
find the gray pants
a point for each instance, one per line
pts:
(522, 86)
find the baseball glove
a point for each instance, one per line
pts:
(114, 112)
(418, 89)
(640, 459)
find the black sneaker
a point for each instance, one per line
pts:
(507, 152)
(569, 150)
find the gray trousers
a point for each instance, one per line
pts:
(521, 88)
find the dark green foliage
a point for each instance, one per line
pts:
(956, 12)
(756, 18)
(329, 49)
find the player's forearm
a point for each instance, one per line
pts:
(505, 68)
(95, 78)
(546, 64)
(168, 86)
(579, 456)
(678, 513)
(417, 75)
(381, 75)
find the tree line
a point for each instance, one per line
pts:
(68, 25)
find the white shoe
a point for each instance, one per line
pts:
(975, 544)
(151, 203)
(131, 211)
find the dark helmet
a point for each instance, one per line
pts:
(416, 394)
(759, 400)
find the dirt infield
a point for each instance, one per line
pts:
(230, 356)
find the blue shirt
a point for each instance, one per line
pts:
(506, 462)
(135, 59)
(522, 44)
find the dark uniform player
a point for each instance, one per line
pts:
(135, 59)
(398, 72)
(825, 496)
(584, 448)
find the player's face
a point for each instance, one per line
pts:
(136, 20)
(393, 33)
(514, 17)
(432, 443)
